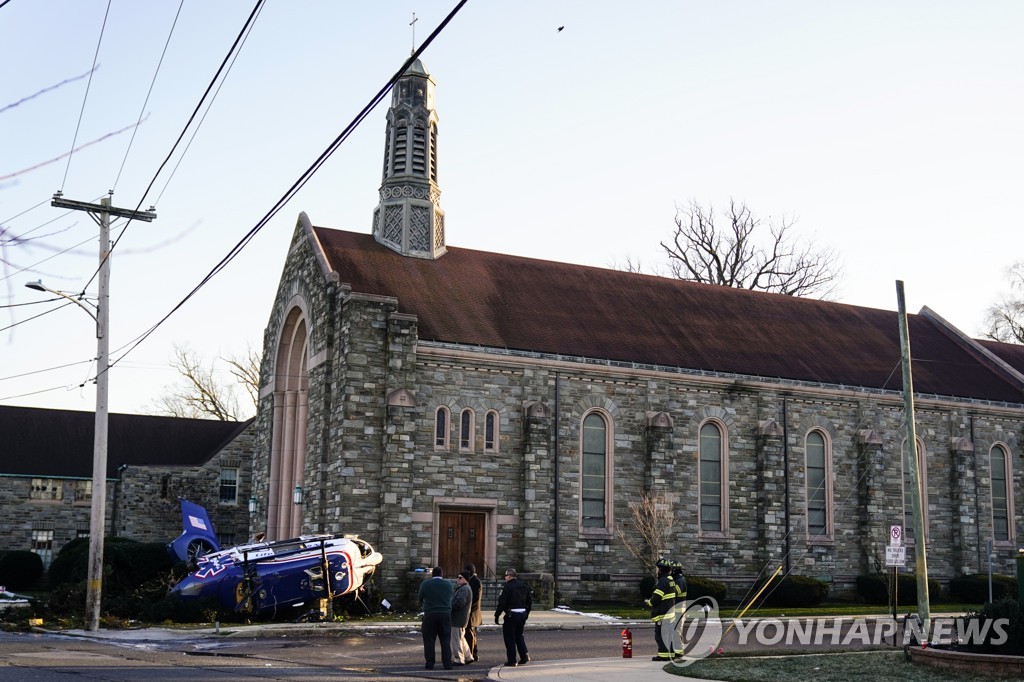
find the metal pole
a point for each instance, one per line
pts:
(910, 466)
(97, 520)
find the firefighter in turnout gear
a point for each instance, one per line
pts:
(679, 610)
(661, 602)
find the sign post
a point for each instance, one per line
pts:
(895, 556)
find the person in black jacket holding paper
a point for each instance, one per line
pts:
(515, 601)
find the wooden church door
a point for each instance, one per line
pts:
(461, 541)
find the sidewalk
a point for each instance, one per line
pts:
(589, 670)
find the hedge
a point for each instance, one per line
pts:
(871, 588)
(793, 591)
(973, 588)
(20, 569)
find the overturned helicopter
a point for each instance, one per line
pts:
(268, 579)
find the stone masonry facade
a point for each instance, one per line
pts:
(372, 466)
(142, 503)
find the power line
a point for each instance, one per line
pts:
(195, 131)
(303, 179)
(59, 253)
(29, 319)
(257, 8)
(150, 92)
(47, 369)
(18, 305)
(86, 97)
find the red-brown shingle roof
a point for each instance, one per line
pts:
(490, 299)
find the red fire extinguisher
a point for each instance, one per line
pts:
(627, 643)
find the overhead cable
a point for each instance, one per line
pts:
(303, 179)
(86, 97)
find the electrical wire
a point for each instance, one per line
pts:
(31, 208)
(48, 369)
(148, 94)
(34, 317)
(257, 8)
(51, 257)
(303, 179)
(199, 125)
(31, 393)
(18, 305)
(85, 99)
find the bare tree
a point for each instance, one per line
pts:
(1004, 321)
(201, 394)
(647, 531)
(736, 256)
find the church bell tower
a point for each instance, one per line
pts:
(409, 218)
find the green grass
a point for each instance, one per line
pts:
(877, 666)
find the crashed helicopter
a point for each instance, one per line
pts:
(268, 579)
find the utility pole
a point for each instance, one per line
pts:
(97, 520)
(910, 466)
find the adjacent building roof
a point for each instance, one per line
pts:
(59, 443)
(493, 300)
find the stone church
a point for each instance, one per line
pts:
(452, 405)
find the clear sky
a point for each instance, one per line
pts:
(891, 132)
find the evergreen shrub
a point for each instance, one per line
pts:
(793, 591)
(697, 587)
(871, 588)
(20, 569)
(1013, 629)
(973, 588)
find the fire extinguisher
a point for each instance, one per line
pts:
(627, 643)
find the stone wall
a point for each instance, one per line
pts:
(374, 391)
(141, 505)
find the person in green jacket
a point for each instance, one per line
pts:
(436, 599)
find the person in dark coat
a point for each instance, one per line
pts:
(461, 602)
(515, 601)
(436, 598)
(661, 603)
(476, 617)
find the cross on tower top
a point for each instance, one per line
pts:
(413, 24)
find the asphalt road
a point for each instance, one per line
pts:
(394, 654)
(374, 655)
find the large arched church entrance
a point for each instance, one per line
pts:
(288, 441)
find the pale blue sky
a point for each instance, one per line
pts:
(890, 130)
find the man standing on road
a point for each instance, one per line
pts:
(436, 598)
(476, 608)
(515, 602)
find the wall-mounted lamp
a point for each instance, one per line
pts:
(297, 495)
(252, 504)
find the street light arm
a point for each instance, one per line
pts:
(39, 286)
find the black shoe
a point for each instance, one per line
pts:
(447, 667)
(457, 663)
(658, 658)
(524, 659)
(429, 666)
(511, 664)
(475, 659)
